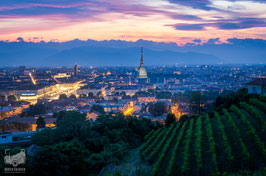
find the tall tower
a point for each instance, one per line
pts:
(76, 69)
(142, 73)
(141, 58)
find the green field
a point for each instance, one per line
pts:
(232, 141)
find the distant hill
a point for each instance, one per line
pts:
(117, 52)
(97, 56)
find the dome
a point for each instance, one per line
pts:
(142, 72)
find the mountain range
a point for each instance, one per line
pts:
(124, 53)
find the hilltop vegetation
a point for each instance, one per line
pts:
(82, 147)
(229, 141)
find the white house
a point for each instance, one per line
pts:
(6, 138)
(257, 86)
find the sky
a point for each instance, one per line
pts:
(179, 21)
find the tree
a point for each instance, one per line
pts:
(72, 96)
(90, 95)
(83, 95)
(170, 118)
(96, 162)
(40, 122)
(114, 100)
(126, 97)
(72, 125)
(157, 109)
(62, 96)
(184, 118)
(44, 137)
(195, 100)
(123, 93)
(164, 95)
(115, 152)
(179, 97)
(99, 94)
(12, 98)
(59, 115)
(97, 108)
(36, 109)
(87, 147)
(77, 156)
(232, 98)
(218, 101)
(47, 161)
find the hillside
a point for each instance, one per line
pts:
(215, 143)
(119, 52)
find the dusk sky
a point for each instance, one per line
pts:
(177, 21)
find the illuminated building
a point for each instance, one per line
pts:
(146, 98)
(92, 116)
(28, 96)
(6, 112)
(49, 122)
(142, 73)
(61, 75)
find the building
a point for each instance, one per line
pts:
(142, 73)
(22, 69)
(92, 115)
(6, 111)
(76, 69)
(29, 97)
(49, 122)
(61, 75)
(16, 137)
(146, 98)
(257, 86)
(5, 138)
(13, 108)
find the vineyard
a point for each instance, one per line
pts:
(232, 141)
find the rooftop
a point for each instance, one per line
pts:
(259, 81)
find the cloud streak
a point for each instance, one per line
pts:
(241, 23)
(157, 19)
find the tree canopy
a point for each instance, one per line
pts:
(62, 96)
(81, 147)
(36, 109)
(40, 122)
(12, 98)
(97, 108)
(170, 118)
(158, 108)
(228, 99)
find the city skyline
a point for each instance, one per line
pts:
(180, 22)
(132, 87)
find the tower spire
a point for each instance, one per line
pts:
(141, 60)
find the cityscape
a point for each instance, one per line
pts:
(173, 94)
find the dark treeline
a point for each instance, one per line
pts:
(233, 98)
(81, 147)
